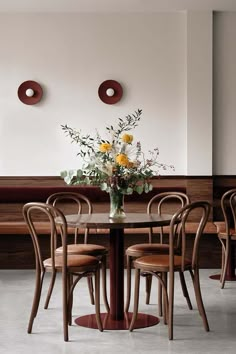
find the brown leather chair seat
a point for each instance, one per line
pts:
(85, 248)
(160, 262)
(73, 261)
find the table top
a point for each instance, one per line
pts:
(102, 220)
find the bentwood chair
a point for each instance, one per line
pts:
(227, 232)
(163, 265)
(159, 204)
(73, 267)
(78, 203)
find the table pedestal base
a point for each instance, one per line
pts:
(143, 320)
(227, 278)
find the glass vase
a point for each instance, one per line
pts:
(116, 205)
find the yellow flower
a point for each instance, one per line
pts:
(127, 138)
(122, 160)
(105, 147)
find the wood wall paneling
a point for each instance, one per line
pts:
(16, 250)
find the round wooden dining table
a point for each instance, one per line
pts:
(117, 318)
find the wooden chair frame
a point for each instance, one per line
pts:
(162, 266)
(156, 205)
(73, 267)
(100, 252)
(227, 234)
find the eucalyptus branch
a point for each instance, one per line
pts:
(129, 123)
(86, 142)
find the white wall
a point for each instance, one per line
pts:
(199, 93)
(224, 93)
(70, 55)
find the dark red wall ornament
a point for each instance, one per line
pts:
(110, 91)
(30, 92)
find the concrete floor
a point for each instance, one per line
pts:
(16, 290)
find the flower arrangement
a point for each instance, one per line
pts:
(116, 164)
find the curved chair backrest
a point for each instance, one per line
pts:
(160, 201)
(228, 209)
(182, 217)
(30, 213)
(232, 203)
(79, 203)
(160, 204)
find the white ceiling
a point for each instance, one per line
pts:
(115, 5)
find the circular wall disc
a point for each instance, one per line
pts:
(38, 92)
(110, 84)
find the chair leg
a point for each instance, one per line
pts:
(222, 259)
(201, 309)
(164, 308)
(90, 287)
(171, 304)
(65, 304)
(148, 288)
(185, 290)
(128, 287)
(160, 305)
(49, 294)
(104, 283)
(136, 299)
(226, 261)
(97, 299)
(70, 298)
(37, 294)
